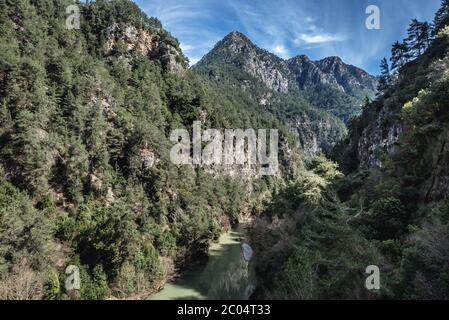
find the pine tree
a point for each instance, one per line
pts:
(400, 55)
(425, 36)
(441, 17)
(416, 40)
(384, 79)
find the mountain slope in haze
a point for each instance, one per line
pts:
(328, 84)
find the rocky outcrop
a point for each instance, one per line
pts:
(315, 136)
(146, 42)
(347, 77)
(330, 71)
(148, 158)
(437, 187)
(377, 139)
(305, 73)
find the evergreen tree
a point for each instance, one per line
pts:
(426, 34)
(384, 79)
(400, 55)
(412, 39)
(418, 39)
(441, 17)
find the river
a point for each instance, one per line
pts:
(225, 276)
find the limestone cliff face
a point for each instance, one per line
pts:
(437, 187)
(371, 136)
(304, 72)
(331, 71)
(380, 136)
(146, 42)
(314, 136)
(349, 78)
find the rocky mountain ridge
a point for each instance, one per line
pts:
(293, 74)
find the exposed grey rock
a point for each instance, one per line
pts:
(346, 76)
(314, 136)
(144, 42)
(379, 136)
(286, 75)
(148, 158)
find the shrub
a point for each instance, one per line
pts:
(388, 218)
(51, 285)
(22, 283)
(94, 285)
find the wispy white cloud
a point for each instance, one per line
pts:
(310, 19)
(281, 51)
(186, 47)
(172, 14)
(290, 27)
(193, 60)
(319, 38)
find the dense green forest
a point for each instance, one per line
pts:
(390, 209)
(84, 152)
(86, 177)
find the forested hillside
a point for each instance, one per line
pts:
(85, 173)
(86, 177)
(391, 208)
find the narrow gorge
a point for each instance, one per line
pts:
(88, 181)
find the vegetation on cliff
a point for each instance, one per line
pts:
(391, 208)
(86, 177)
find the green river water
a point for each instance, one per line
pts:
(225, 276)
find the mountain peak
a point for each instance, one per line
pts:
(300, 57)
(335, 59)
(330, 62)
(236, 37)
(234, 42)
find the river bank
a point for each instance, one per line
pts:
(226, 275)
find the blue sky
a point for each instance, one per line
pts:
(317, 28)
